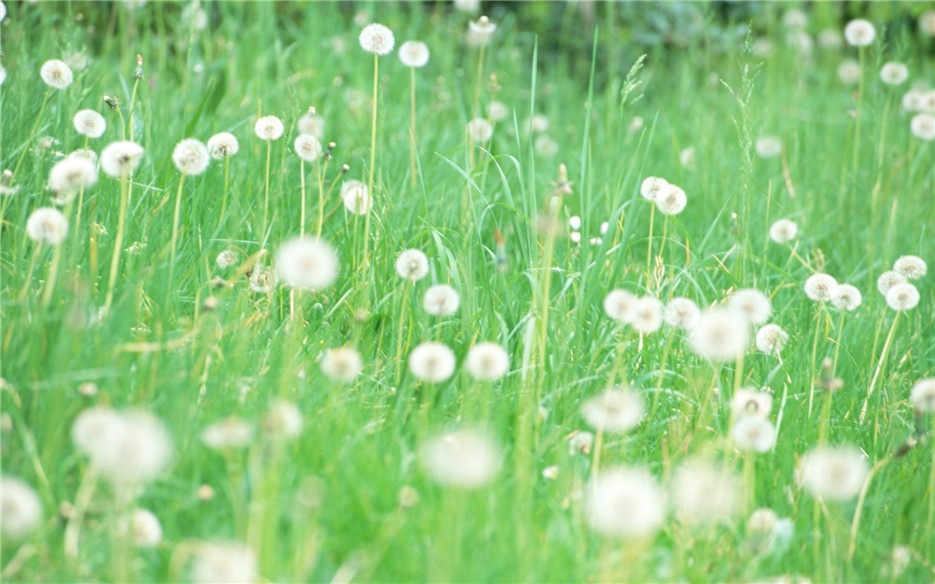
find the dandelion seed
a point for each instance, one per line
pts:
(845, 297)
(619, 305)
(311, 123)
(341, 365)
(849, 72)
(463, 459)
(441, 300)
(859, 32)
(230, 433)
(487, 362)
(414, 54)
(377, 39)
(19, 507)
(143, 528)
(69, 175)
(768, 146)
(3, 11)
(625, 502)
(749, 402)
(227, 259)
(889, 279)
(614, 410)
(432, 362)
(90, 123)
(119, 159)
(752, 303)
(910, 266)
(753, 433)
(47, 225)
(283, 420)
(307, 147)
(672, 200)
(903, 296)
(681, 313)
(480, 32)
(893, 73)
(818, 287)
(922, 126)
(412, 265)
(224, 563)
(704, 493)
(479, 131)
(550, 472)
(223, 145)
(653, 187)
(646, 317)
(497, 111)
(268, 128)
(720, 335)
(833, 472)
(56, 74)
(771, 339)
(922, 395)
(580, 443)
(307, 263)
(262, 280)
(761, 521)
(355, 197)
(191, 157)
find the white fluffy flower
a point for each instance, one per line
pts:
(487, 361)
(464, 459)
(20, 508)
(432, 362)
(922, 395)
(768, 146)
(888, 279)
(614, 410)
(191, 157)
(720, 335)
(753, 433)
(69, 175)
(307, 263)
(625, 502)
(223, 145)
(479, 131)
(341, 365)
(653, 187)
(47, 225)
(312, 123)
(922, 126)
(356, 197)
(755, 305)
(704, 493)
(129, 448)
(682, 313)
(90, 123)
(307, 147)
(849, 72)
(441, 300)
(836, 473)
(893, 73)
(283, 419)
(619, 305)
(231, 432)
(646, 316)
(749, 402)
(119, 159)
(771, 339)
(672, 200)
(497, 111)
(859, 32)
(377, 39)
(480, 32)
(903, 296)
(414, 54)
(846, 297)
(910, 266)
(412, 264)
(56, 74)
(818, 287)
(223, 563)
(143, 528)
(268, 128)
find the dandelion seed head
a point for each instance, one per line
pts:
(835, 473)
(414, 54)
(646, 317)
(619, 305)
(922, 126)
(926, 23)
(283, 420)
(653, 187)
(922, 396)
(224, 563)
(672, 200)
(818, 287)
(227, 258)
(441, 300)
(497, 111)
(768, 146)
(903, 296)
(580, 443)
(69, 175)
(20, 508)
(191, 157)
(462, 459)
(720, 335)
(119, 159)
(910, 266)
(545, 146)
(377, 39)
(468, 6)
(356, 197)
(681, 313)
(795, 18)
(142, 527)
(771, 339)
(849, 72)
(859, 32)
(753, 433)
(47, 225)
(752, 303)
(230, 433)
(830, 38)
(90, 123)
(480, 32)
(263, 280)
(223, 145)
(894, 73)
(687, 158)
(268, 128)
(749, 402)
(432, 362)
(128, 448)
(614, 410)
(888, 279)
(307, 263)
(845, 297)
(307, 147)
(341, 365)
(704, 493)
(312, 124)
(412, 265)
(487, 361)
(913, 100)
(56, 74)
(624, 502)
(479, 131)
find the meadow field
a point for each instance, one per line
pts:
(475, 292)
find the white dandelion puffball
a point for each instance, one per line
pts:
(545, 146)
(926, 23)
(910, 266)
(768, 146)
(191, 157)
(56, 74)
(84, 153)
(463, 459)
(468, 6)
(268, 128)
(753, 433)
(537, 124)
(479, 131)
(307, 147)
(95, 427)
(412, 265)
(142, 527)
(922, 395)
(230, 433)
(889, 279)
(771, 339)
(830, 38)
(342, 365)
(894, 73)
(836, 473)
(913, 100)
(3, 10)
(487, 361)
(414, 54)
(2, 74)
(47, 225)
(625, 502)
(653, 187)
(859, 32)
(755, 305)
(646, 317)
(614, 410)
(223, 145)
(720, 335)
(69, 175)
(312, 123)
(682, 313)
(846, 297)
(903, 296)
(849, 72)
(922, 126)
(119, 159)
(497, 111)
(672, 200)
(377, 39)
(480, 32)
(223, 563)
(687, 158)
(818, 287)
(355, 197)
(619, 305)
(307, 263)
(580, 443)
(22, 511)
(749, 402)
(128, 448)
(227, 259)
(90, 123)
(283, 419)
(432, 362)
(441, 300)
(704, 493)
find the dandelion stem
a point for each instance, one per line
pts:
(413, 152)
(649, 248)
(227, 171)
(53, 274)
(861, 499)
(32, 133)
(269, 149)
(32, 267)
(373, 154)
(879, 368)
(118, 241)
(176, 215)
(819, 320)
(302, 186)
(75, 521)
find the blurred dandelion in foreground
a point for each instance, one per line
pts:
(619, 305)
(625, 502)
(859, 32)
(704, 493)
(191, 157)
(771, 339)
(356, 198)
(412, 265)
(56, 74)
(833, 472)
(749, 402)
(463, 459)
(231, 432)
(580, 443)
(646, 317)
(681, 313)
(487, 361)
(753, 433)
(142, 527)
(614, 410)
(922, 395)
(223, 145)
(307, 263)
(69, 175)
(90, 123)
(377, 39)
(818, 287)
(720, 335)
(119, 159)
(341, 365)
(224, 563)
(441, 300)
(755, 305)
(432, 362)
(20, 509)
(47, 225)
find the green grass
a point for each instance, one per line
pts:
(330, 500)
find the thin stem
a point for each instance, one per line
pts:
(365, 260)
(269, 149)
(118, 241)
(176, 216)
(53, 275)
(227, 169)
(819, 321)
(32, 133)
(412, 125)
(302, 186)
(32, 267)
(876, 373)
(649, 249)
